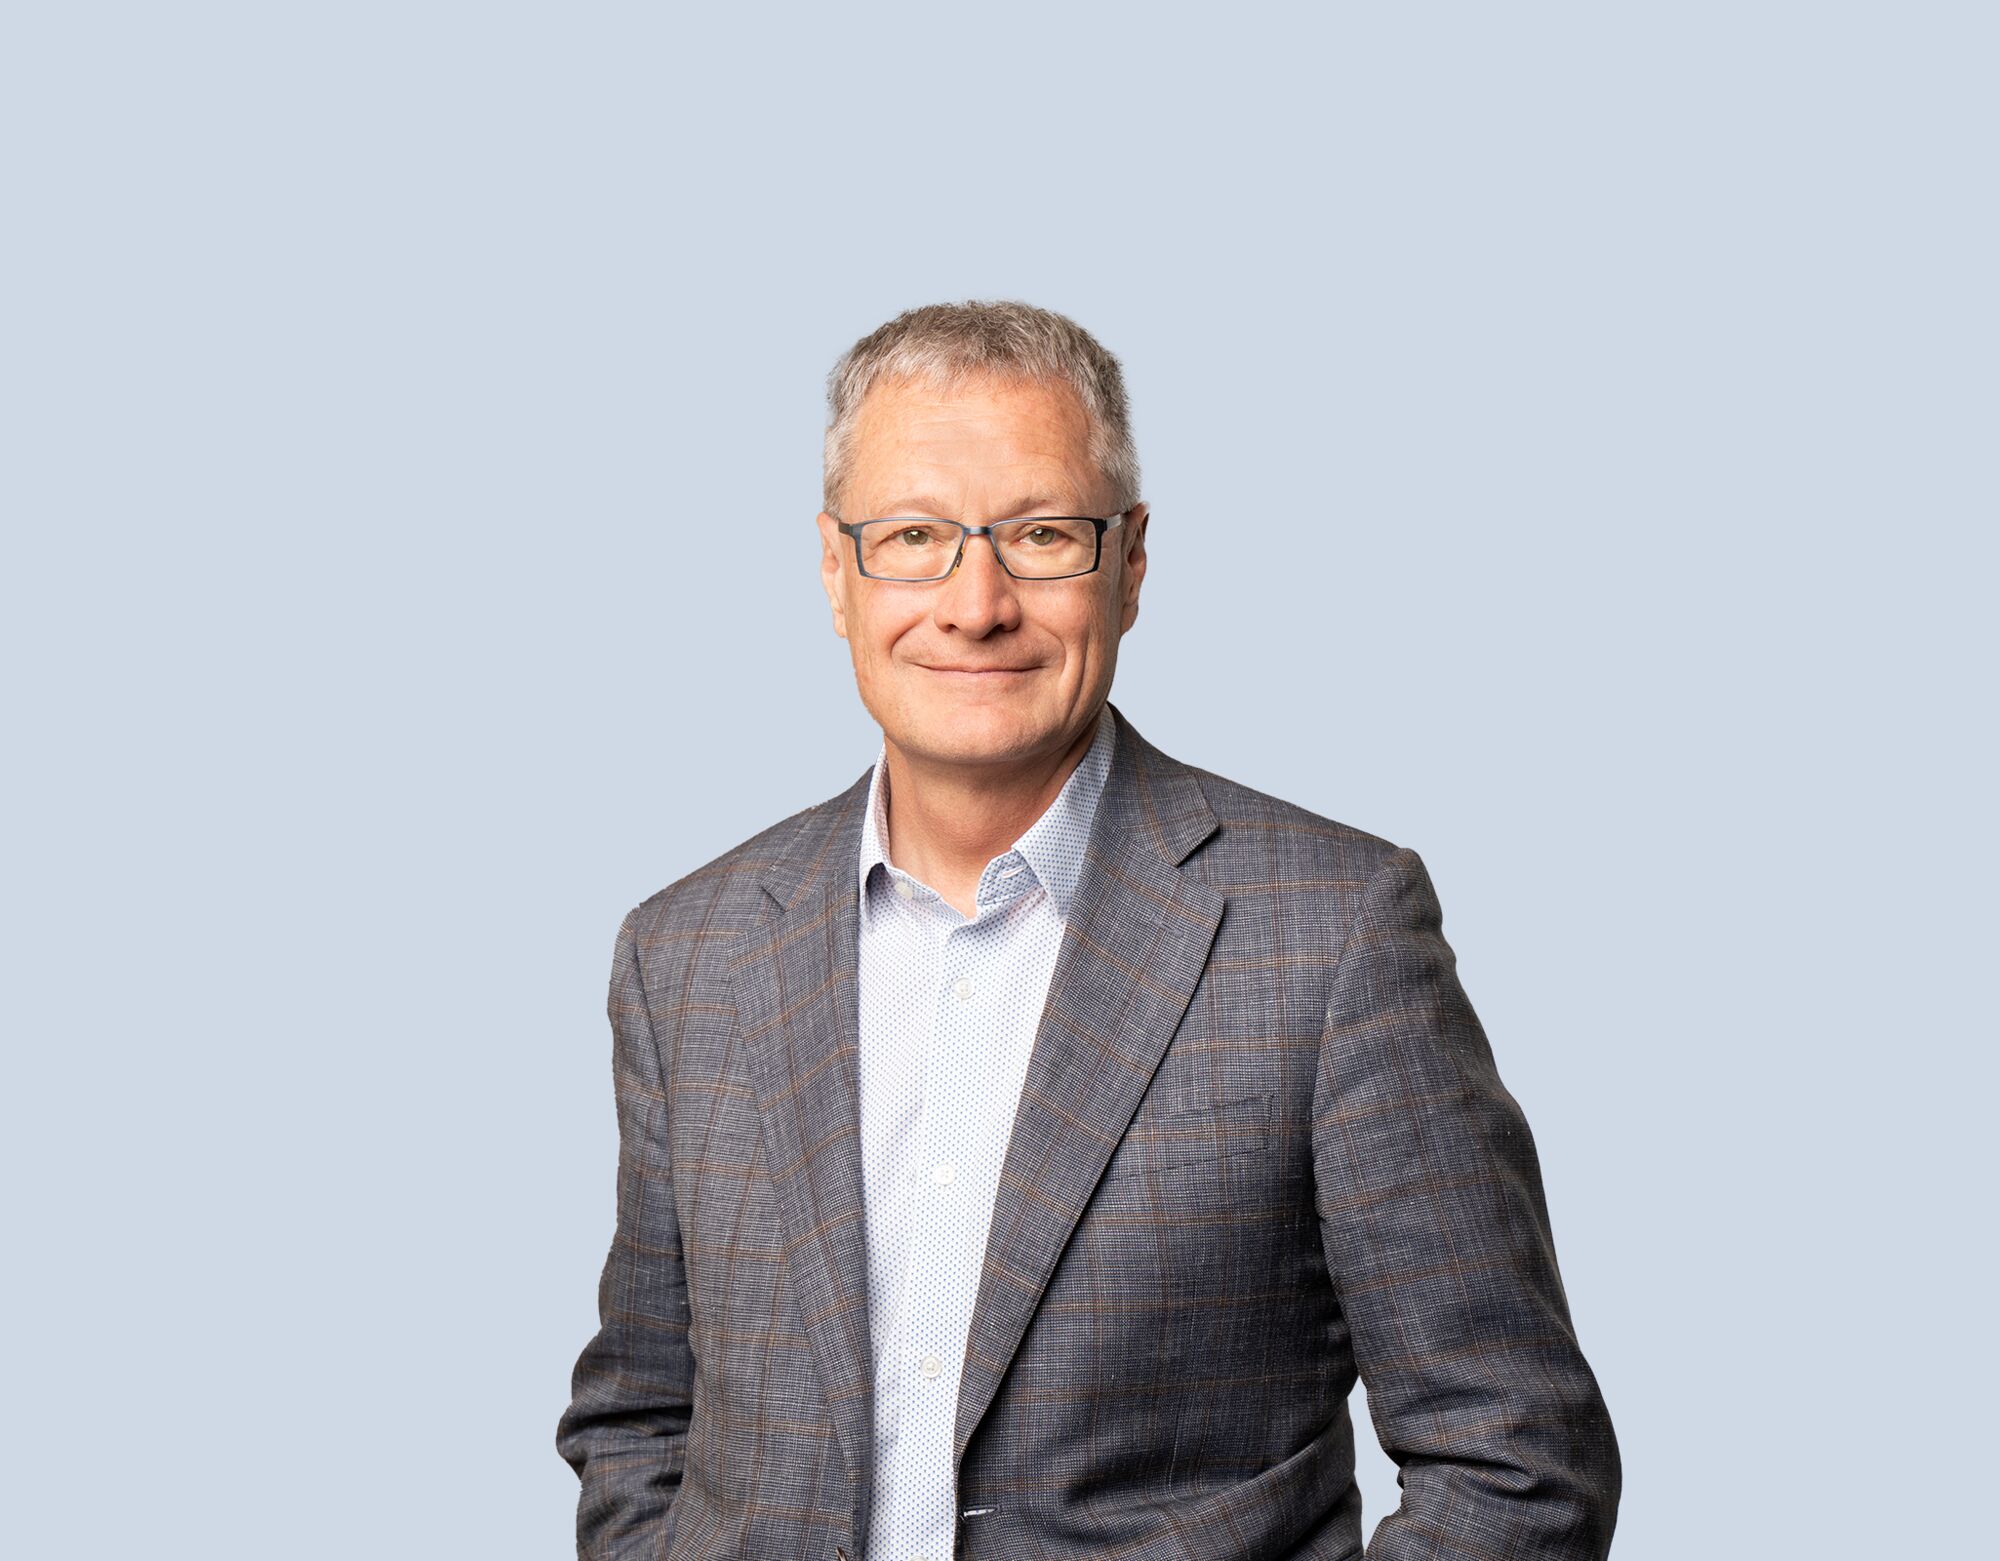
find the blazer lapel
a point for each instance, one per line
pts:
(1138, 935)
(795, 984)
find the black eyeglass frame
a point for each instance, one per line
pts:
(1102, 523)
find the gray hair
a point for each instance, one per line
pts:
(944, 345)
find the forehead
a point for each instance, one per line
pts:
(1007, 438)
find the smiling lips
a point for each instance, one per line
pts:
(975, 672)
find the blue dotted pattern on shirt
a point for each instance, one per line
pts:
(948, 1009)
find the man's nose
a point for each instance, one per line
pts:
(978, 596)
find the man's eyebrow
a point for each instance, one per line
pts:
(925, 504)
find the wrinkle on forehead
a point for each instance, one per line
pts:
(997, 445)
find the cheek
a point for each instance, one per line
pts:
(1096, 626)
(878, 626)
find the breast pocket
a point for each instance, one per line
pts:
(1175, 1137)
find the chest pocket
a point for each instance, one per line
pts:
(1172, 1136)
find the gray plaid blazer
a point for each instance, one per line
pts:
(1261, 1147)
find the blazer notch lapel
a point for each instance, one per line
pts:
(794, 990)
(1138, 938)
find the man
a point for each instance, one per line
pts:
(1023, 1150)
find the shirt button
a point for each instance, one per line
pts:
(931, 1366)
(963, 987)
(943, 1173)
(903, 888)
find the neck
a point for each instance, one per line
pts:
(946, 821)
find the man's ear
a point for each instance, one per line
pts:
(833, 570)
(1133, 534)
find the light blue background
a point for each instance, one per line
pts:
(1610, 391)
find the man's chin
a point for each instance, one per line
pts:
(978, 732)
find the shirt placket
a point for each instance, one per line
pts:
(920, 934)
(946, 1222)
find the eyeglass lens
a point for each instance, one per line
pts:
(923, 549)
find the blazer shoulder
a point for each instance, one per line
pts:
(725, 894)
(1256, 828)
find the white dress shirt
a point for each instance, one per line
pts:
(948, 1010)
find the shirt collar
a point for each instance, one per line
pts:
(1052, 846)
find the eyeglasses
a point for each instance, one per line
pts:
(918, 547)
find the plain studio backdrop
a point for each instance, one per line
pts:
(1571, 435)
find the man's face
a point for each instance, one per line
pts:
(980, 668)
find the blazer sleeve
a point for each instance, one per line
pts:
(625, 1431)
(1437, 1235)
